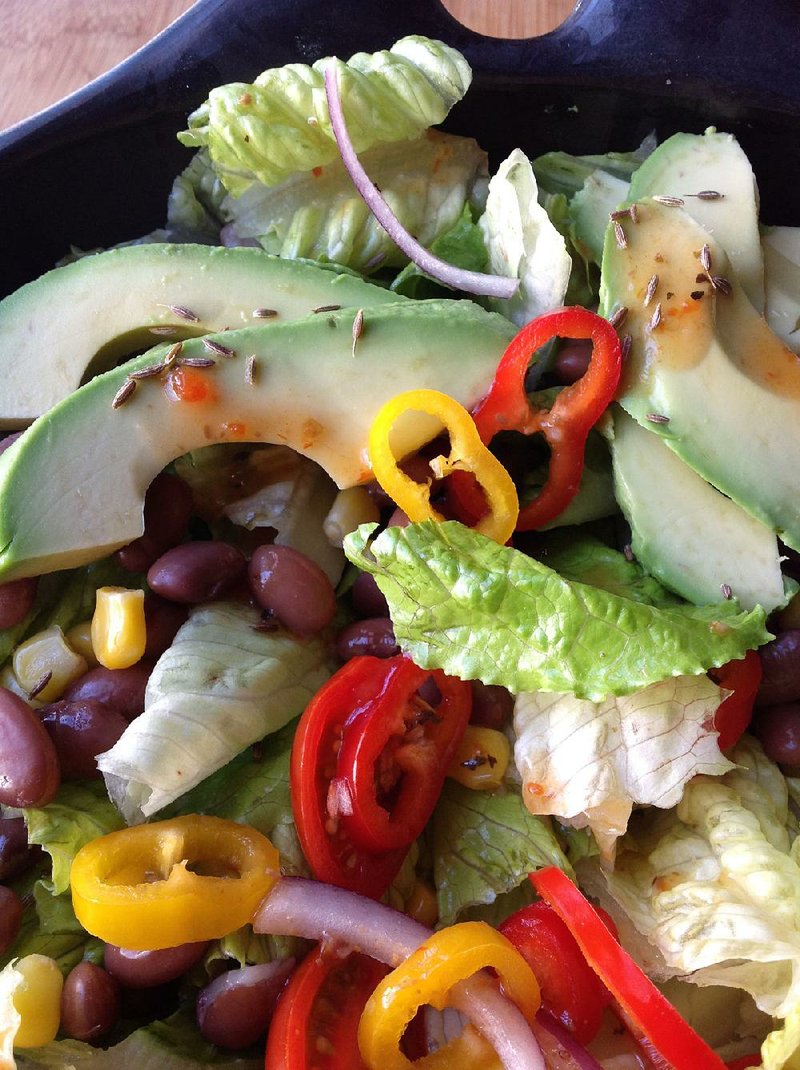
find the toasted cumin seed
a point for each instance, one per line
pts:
(619, 235)
(197, 362)
(218, 348)
(633, 211)
(668, 200)
(617, 317)
(326, 308)
(264, 313)
(250, 370)
(655, 319)
(172, 355)
(657, 418)
(707, 195)
(124, 393)
(722, 285)
(697, 295)
(621, 213)
(183, 312)
(166, 332)
(650, 292)
(627, 552)
(625, 346)
(726, 590)
(41, 684)
(150, 372)
(705, 257)
(358, 327)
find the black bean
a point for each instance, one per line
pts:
(80, 730)
(492, 705)
(15, 854)
(145, 969)
(121, 690)
(572, 360)
(89, 1002)
(293, 588)
(162, 620)
(167, 510)
(778, 728)
(780, 665)
(197, 572)
(374, 637)
(16, 601)
(29, 773)
(10, 917)
(234, 1011)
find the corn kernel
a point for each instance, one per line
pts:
(119, 633)
(79, 638)
(350, 508)
(45, 653)
(37, 999)
(482, 759)
(8, 680)
(422, 905)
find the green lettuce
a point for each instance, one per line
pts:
(194, 205)
(478, 610)
(462, 246)
(267, 131)
(581, 558)
(222, 686)
(484, 845)
(562, 172)
(587, 763)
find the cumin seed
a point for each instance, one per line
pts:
(621, 213)
(326, 308)
(198, 362)
(150, 372)
(655, 319)
(172, 355)
(124, 393)
(657, 418)
(650, 292)
(165, 332)
(619, 235)
(41, 684)
(183, 312)
(705, 257)
(250, 370)
(633, 211)
(722, 285)
(218, 348)
(264, 313)
(626, 342)
(725, 588)
(668, 200)
(358, 327)
(617, 317)
(707, 195)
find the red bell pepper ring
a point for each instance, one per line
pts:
(364, 732)
(662, 1032)
(565, 426)
(734, 713)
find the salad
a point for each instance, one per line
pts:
(394, 587)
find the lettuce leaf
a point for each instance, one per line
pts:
(484, 845)
(523, 243)
(462, 246)
(220, 687)
(462, 603)
(587, 763)
(279, 125)
(562, 172)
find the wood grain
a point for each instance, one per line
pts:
(49, 48)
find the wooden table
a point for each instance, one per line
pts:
(51, 47)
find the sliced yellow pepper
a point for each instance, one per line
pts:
(426, 977)
(172, 882)
(467, 453)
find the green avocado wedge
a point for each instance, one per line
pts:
(72, 486)
(705, 371)
(81, 319)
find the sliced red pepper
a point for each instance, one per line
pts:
(571, 990)
(744, 1061)
(734, 713)
(370, 710)
(315, 1024)
(652, 1019)
(565, 426)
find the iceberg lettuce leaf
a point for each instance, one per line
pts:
(462, 603)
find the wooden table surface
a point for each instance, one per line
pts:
(49, 48)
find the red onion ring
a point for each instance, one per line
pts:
(562, 1051)
(300, 907)
(474, 282)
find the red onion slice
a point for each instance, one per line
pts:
(300, 907)
(562, 1051)
(474, 282)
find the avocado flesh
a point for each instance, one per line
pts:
(727, 385)
(79, 319)
(687, 164)
(781, 247)
(685, 533)
(72, 486)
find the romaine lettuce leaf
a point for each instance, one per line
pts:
(587, 763)
(561, 172)
(462, 603)
(221, 686)
(484, 845)
(462, 246)
(321, 216)
(280, 125)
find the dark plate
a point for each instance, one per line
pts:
(96, 168)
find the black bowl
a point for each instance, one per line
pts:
(96, 168)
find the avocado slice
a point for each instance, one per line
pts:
(685, 533)
(781, 247)
(688, 164)
(72, 486)
(80, 319)
(705, 371)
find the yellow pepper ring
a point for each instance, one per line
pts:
(467, 452)
(172, 882)
(426, 977)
